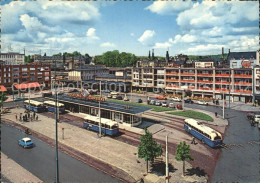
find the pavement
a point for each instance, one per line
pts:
(118, 154)
(13, 171)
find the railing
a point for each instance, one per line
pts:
(201, 74)
(202, 88)
(177, 80)
(243, 91)
(242, 75)
(187, 80)
(191, 87)
(201, 81)
(222, 89)
(222, 82)
(242, 83)
(187, 74)
(223, 75)
(172, 73)
(172, 86)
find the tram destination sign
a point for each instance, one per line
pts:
(80, 96)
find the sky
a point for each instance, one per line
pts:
(190, 27)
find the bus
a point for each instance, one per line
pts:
(204, 133)
(108, 127)
(33, 105)
(50, 106)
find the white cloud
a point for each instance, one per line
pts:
(91, 34)
(167, 7)
(162, 45)
(146, 38)
(107, 44)
(187, 38)
(132, 34)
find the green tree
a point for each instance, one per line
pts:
(2, 99)
(182, 154)
(148, 149)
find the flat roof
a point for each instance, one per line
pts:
(107, 105)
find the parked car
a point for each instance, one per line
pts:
(107, 91)
(202, 102)
(179, 106)
(119, 97)
(257, 118)
(18, 99)
(164, 104)
(152, 102)
(125, 98)
(171, 105)
(25, 142)
(176, 99)
(139, 100)
(160, 97)
(158, 103)
(250, 115)
(114, 96)
(188, 101)
(109, 96)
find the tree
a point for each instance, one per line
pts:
(2, 99)
(148, 149)
(182, 154)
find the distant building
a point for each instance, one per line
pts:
(243, 59)
(12, 58)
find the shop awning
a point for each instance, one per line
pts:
(27, 85)
(2, 88)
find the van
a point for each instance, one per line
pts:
(257, 118)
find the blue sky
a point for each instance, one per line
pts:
(188, 27)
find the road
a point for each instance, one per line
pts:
(40, 160)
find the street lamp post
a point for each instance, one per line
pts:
(223, 106)
(99, 112)
(166, 160)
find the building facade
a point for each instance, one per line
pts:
(11, 74)
(12, 58)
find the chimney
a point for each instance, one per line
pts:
(228, 50)
(152, 54)
(149, 56)
(167, 56)
(222, 52)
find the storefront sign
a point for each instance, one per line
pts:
(80, 96)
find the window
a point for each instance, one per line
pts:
(16, 69)
(32, 69)
(234, 64)
(24, 69)
(32, 73)
(39, 73)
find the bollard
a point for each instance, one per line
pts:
(62, 133)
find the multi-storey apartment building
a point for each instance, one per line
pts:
(205, 82)
(11, 74)
(12, 58)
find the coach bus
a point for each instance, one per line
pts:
(50, 106)
(108, 127)
(204, 133)
(33, 105)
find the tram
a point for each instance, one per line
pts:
(33, 105)
(50, 106)
(108, 127)
(204, 133)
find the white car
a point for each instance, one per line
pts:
(202, 102)
(164, 104)
(176, 99)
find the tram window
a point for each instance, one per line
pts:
(114, 127)
(106, 126)
(103, 125)
(217, 138)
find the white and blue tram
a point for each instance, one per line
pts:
(50, 106)
(204, 133)
(33, 105)
(108, 127)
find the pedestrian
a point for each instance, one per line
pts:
(252, 123)
(37, 118)
(216, 114)
(16, 117)
(193, 141)
(33, 114)
(16, 105)
(20, 117)
(31, 118)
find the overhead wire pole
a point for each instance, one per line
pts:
(56, 126)
(166, 160)
(223, 106)
(99, 112)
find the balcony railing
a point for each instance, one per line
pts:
(201, 81)
(202, 74)
(243, 83)
(172, 73)
(242, 76)
(223, 75)
(243, 91)
(222, 89)
(203, 88)
(176, 80)
(190, 81)
(173, 86)
(191, 87)
(222, 82)
(187, 74)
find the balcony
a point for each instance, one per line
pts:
(242, 76)
(203, 74)
(243, 83)
(172, 73)
(222, 89)
(223, 75)
(201, 81)
(222, 82)
(203, 88)
(243, 91)
(191, 87)
(172, 86)
(188, 81)
(175, 80)
(187, 74)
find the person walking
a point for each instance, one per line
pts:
(216, 114)
(193, 141)
(16, 117)
(37, 118)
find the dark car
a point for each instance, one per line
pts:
(188, 101)
(139, 100)
(119, 97)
